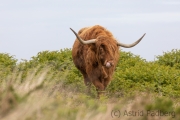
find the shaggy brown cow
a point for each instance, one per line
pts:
(95, 53)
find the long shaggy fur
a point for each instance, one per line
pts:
(90, 59)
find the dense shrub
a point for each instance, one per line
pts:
(7, 64)
(59, 60)
(7, 60)
(134, 73)
(171, 59)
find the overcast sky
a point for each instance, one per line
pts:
(31, 26)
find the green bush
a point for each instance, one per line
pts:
(7, 64)
(57, 60)
(136, 74)
(171, 59)
(7, 61)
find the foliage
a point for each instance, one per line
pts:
(7, 63)
(171, 59)
(134, 73)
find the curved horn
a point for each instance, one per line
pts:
(131, 45)
(82, 41)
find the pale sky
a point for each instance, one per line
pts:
(31, 26)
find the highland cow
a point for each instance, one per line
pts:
(95, 53)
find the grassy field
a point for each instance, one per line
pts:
(49, 87)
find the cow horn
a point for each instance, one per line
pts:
(130, 45)
(82, 41)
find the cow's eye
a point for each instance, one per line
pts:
(102, 47)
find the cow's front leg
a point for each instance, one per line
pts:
(99, 87)
(88, 83)
(106, 82)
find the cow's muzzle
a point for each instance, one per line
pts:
(108, 64)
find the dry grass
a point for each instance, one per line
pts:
(39, 97)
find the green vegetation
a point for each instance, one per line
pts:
(171, 59)
(50, 87)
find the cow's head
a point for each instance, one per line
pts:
(106, 48)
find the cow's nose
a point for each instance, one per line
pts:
(109, 64)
